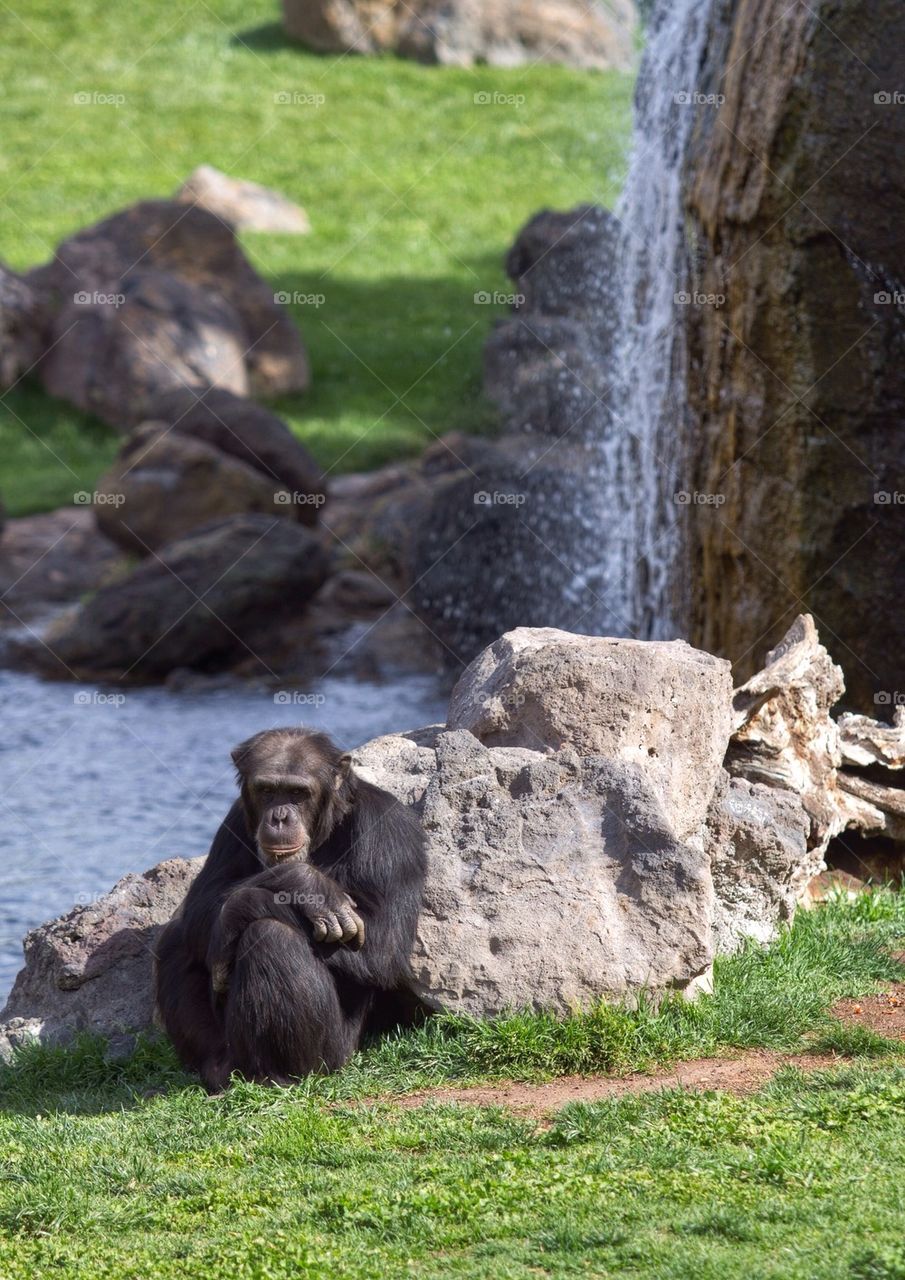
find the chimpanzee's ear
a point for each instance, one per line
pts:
(343, 769)
(239, 756)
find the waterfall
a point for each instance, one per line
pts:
(642, 461)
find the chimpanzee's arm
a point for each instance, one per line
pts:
(298, 895)
(381, 865)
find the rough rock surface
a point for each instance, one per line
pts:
(516, 519)
(783, 733)
(499, 32)
(91, 970)
(253, 435)
(164, 484)
(797, 378)
(49, 560)
(553, 880)
(20, 327)
(195, 604)
(785, 736)
(663, 708)
(156, 298)
(759, 857)
(547, 367)
(247, 206)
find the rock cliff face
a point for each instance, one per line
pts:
(795, 372)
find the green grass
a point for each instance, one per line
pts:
(126, 1169)
(414, 192)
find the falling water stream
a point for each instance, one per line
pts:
(642, 463)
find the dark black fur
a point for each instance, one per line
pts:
(286, 1004)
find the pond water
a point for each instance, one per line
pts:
(95, 783)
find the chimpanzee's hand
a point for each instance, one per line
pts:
(341, 923)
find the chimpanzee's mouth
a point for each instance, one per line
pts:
(282, 852)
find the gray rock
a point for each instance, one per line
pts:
(548, 367)
(91, 970)
(22, 327)
(760, 861)
(553, 881)
(157, 298)
(253, 435)
(197, 603)
(163, 484)
(661, 707)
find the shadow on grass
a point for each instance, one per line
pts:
(266, 37)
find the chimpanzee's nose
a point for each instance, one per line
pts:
(280, 815)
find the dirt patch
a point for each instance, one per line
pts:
(745, 1074)
(884, 1014)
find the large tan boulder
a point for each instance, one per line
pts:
(460, 33)
(154, 299)
(660, 707)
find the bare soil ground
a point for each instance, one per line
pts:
(884, 1014)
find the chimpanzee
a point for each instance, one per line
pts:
(294, 940)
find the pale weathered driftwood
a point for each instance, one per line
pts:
(865, 742)
(785, 736)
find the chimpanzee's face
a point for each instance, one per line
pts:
(293, 785)
(286, 809)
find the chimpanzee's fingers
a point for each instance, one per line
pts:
(319, 929)
(334, 929)
(357, 940)
(349, 922)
